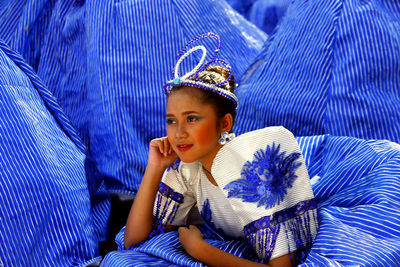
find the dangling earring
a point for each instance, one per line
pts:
(226, 137)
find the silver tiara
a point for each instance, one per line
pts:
(192, 78)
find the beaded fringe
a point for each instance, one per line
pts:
(296, 222)
(167, 204)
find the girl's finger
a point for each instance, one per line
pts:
(166, 146)
(182, 229)
(169, 148)
(157, 143)
(161, 146)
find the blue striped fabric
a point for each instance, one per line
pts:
(265, 14)
(45, 214)
(166, 250)
(331, 67)
(49, 100)
(23, 25)
(356, 183)
(106, 63)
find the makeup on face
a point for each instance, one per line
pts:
(192, 126)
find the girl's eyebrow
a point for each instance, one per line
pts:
(184, 113)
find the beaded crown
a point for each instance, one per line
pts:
(199, 76)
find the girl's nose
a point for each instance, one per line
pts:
(181, 131)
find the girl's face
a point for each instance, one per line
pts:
(192, 127)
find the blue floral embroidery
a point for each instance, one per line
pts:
(265, 180)
(174, 166)
(206, 214)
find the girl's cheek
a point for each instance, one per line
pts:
(206, 135)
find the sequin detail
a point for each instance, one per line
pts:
(168, 192)
(266, 179)
(295, 221)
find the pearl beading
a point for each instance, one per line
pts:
(191, 78)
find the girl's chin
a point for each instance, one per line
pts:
(187, 159)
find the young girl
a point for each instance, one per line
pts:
(254, 188)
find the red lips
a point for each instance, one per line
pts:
(183, 148)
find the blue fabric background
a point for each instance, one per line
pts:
(45, 214)
(265, 14)
(106, 63)
(330, 67)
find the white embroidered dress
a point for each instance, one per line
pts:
(263, 194)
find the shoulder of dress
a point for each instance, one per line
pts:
(245, 145)
(182, 177)
(269, 132)
(249, 170)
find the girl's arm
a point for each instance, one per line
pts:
(192, 240)
(140, 219)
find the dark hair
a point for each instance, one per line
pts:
(222, 105)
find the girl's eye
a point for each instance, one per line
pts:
(170, 121)
(193, 118)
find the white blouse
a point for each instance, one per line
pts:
(263, 194)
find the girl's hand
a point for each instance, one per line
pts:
(190, 238)
(161, 153)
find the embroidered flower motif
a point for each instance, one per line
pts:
(266, 179)
(206, 214)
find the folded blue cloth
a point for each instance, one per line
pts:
(332, 67)
(45, 209)
(356, 184)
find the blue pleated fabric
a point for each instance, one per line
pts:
(45, 214)
(23, 26)
(331, 67)
(106, 63)
(265, 14)
(166, 250)
(356, 184)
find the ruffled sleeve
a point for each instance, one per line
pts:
(174, 198)
(172, 205)
(264, 177)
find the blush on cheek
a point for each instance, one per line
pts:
(207, 135)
